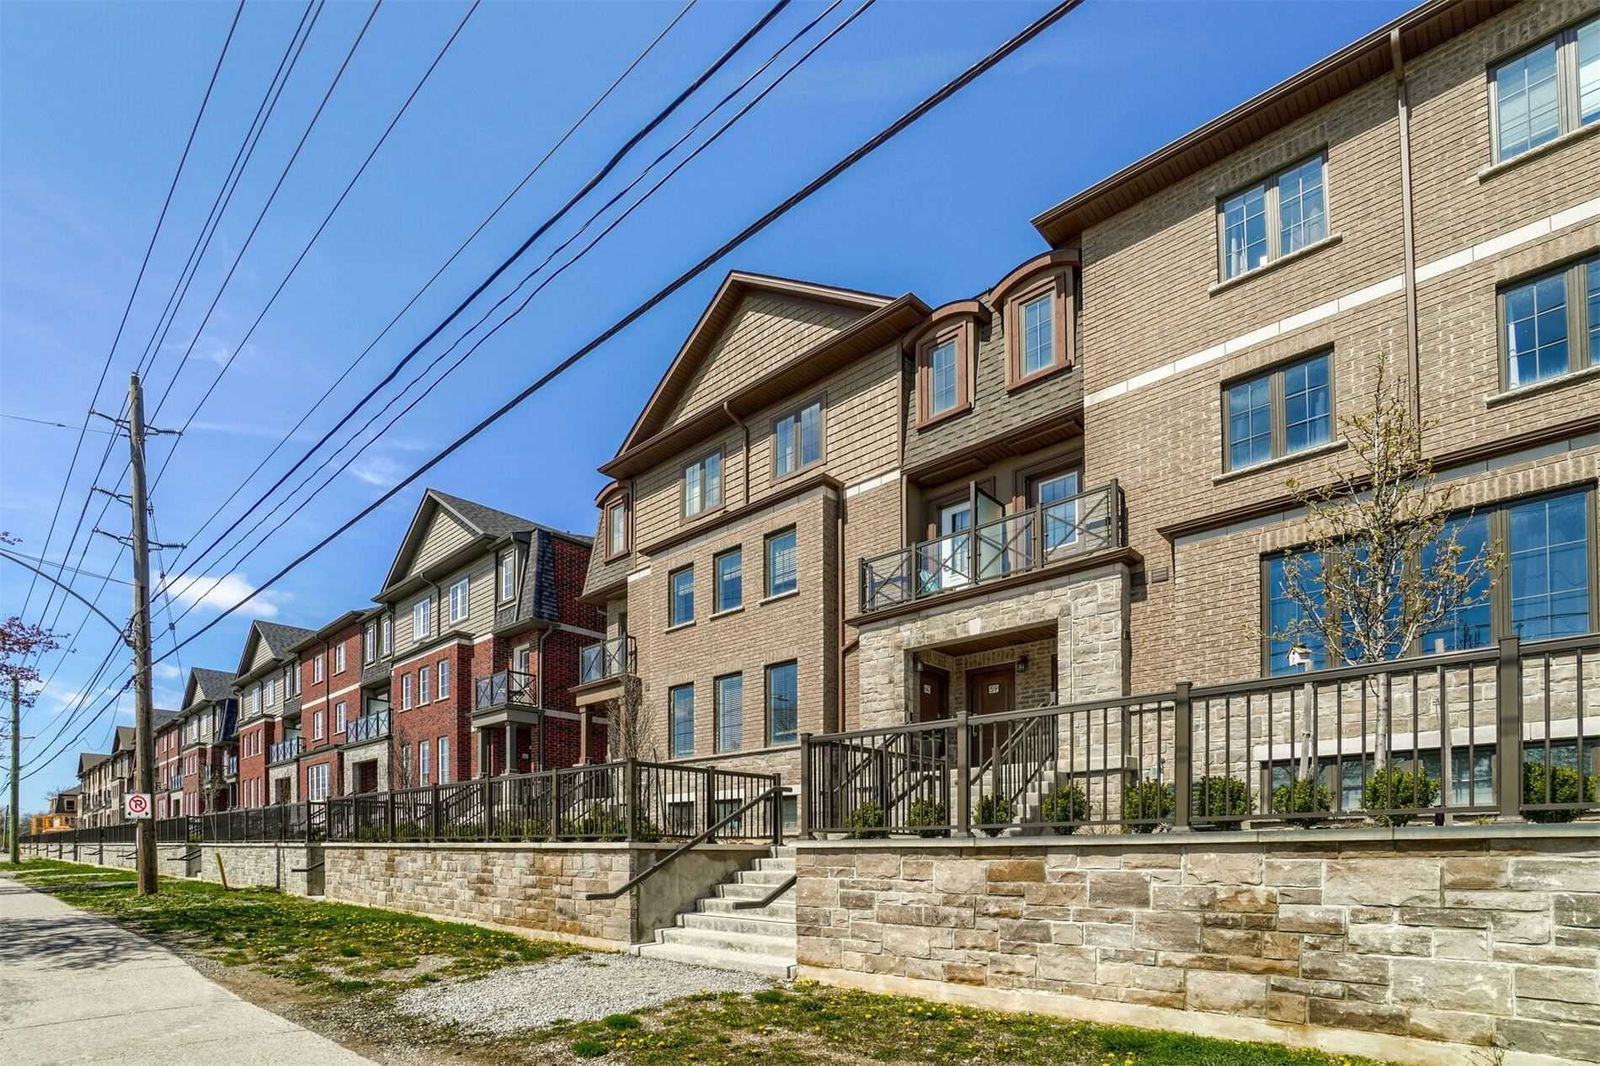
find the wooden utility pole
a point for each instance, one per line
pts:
(144, 739)
(13, 827)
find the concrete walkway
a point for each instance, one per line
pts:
(75, 988)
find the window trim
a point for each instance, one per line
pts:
(673, 622)
(1269, 184)
(672, 732)
(1579, 356)
(1058, 286)
(505, 576)
(716, 712)
(1569, 115)
(963, 334)
(717, 606)
(465, 585)
(1275, 371)
(683, 485)
(620, 503)
(767, 592)
(766, 694)
(820, 402)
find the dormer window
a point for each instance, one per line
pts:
(1038, 325)
(944, 373)
(616, 531)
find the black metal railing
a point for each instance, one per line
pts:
(1002, 547)
(609, 658)
(1509, 731)
(372, 726)
(505, 687)
(284, 750)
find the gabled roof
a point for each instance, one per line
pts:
(126, 736)
(344, 621)
(207, 685)
(486, 523)
(713, 320)
(279, 639)
(88, 760)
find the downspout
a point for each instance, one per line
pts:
(1408, 232)
(727, 409)
(538, 756)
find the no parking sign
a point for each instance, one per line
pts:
(136, 805)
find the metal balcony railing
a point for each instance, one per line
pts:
(368, 727)
(607, 659)
(284, 750)
(1006, 546)
(505, 687)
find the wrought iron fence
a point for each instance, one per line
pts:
(1509, 731)
(1007, 545)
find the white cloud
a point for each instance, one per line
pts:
(379, 470)
(168, 671)
(220, 593)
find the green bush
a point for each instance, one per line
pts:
(601, 824)
(1219, 803)
(866, 822)
(1394, 787)
(534, 829)
(930, 818)
(1563, 783)
(1147, 799)
(646, 832)
(1304, 796)
(1067, 804)
(994, 813)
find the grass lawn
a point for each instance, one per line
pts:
(358, 958)
(327, 947)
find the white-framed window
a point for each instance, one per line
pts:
(317, 782)
(458, 601)
(338, 658)
(1272, 218)
(316, 670)
(444, 760)
(421, 618)
(444, 680)
(405, 692)
(339, 713)
(387, 632)
(424, 749)
(291, 680)
(424, 684)
(702, 484)
(317, 726)
(369, 643)
(269, 690)
(507, 575)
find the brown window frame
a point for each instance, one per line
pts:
(962, 334)
(1580, 358)
(1268, 183)
(683, 484)
(1274, 373)
(819, 401)
(1056, 285)
(622, 503)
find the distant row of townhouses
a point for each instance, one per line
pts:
(842, 510)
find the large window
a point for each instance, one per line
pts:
(728, 699)
(1283, 411)
(727, 590)
(680, 597)
(1543, 589)
(616, 528)
(942, 373)
(702, 484)
(782, 564)
(405, 692)
(680, 700)
(782, 704)
(338, 658)
(506, 575)
(424, 750)
(444, 760)
(1280, 215)
(444, 679)
(459, 605)
(424, 685)
(1551, 324)
(797, 440)
(421, 619)
(317, 782)
(1551, 89)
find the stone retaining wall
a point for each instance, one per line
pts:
(537, 887)
(281, 866)
(1488, 936)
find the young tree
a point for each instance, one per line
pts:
(1384, 563)
(632, 730)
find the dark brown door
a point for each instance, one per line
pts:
(991, 691)
(934, 701)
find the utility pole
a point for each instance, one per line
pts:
(144, 764)
(16, 769)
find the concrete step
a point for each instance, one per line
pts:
(734, 890)
(784, 863)
(783, 851)
(775, 946)
(777, 967)
(746, 922)
(782, 907)
(770, 878)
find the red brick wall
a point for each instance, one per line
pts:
(450, 716)
(254, 767)
(572, 567)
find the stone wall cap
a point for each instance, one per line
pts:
(532, 845)
(1263, 837)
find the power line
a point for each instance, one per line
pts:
(53, 425)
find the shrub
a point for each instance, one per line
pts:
(620, 1022)
(600, 824)
(646, 832)
(1147, 799)
(534, 829)
(590, 1049)
(1563, 783)
(993, 812)
(1067, 804)
(1395, 787)
(930, 818)
(1219, 803)
(1304, 796)
(866, 822)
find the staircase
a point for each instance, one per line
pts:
(719, 934)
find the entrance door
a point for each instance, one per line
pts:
(934, 694)
(991, 691)
(951, 565)
(1056, 498)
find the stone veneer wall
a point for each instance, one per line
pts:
(1486, 936)
(281, 866)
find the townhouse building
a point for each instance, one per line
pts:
(169, 768)
(330, 699)
(268, 684)
(843, 510)
(481, 625)
(207, 744)
(62, 816)
(105, 780)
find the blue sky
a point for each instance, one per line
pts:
(99, 98)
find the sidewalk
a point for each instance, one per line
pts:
(75, 988)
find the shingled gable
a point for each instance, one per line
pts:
(278, 639)
(472, 521)
(207, 686)
(730, 316)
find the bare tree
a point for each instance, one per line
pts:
(1384, 563)
(632, 731)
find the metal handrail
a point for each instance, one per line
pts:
(768, 899)
(709, 833)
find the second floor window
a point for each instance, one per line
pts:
(444, 680)
(702, 485)
(680, 700)
(728, 581)
(728, 695)
(338, 659)
(797, 440)
(458, 601)
(1551, 324)
(316, 725)
(1266, 221)
(405, 693)
(421, 619)
(616, 528)
(680, 597)
(782, 564)
(1551, 89)
(339, 713)
(1278, 413)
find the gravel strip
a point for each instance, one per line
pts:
(582, 988)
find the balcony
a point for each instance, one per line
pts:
(606, 660)
(505, 696)
(367, 728)
(1047, 536)
(176, 783)
(285, 750)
